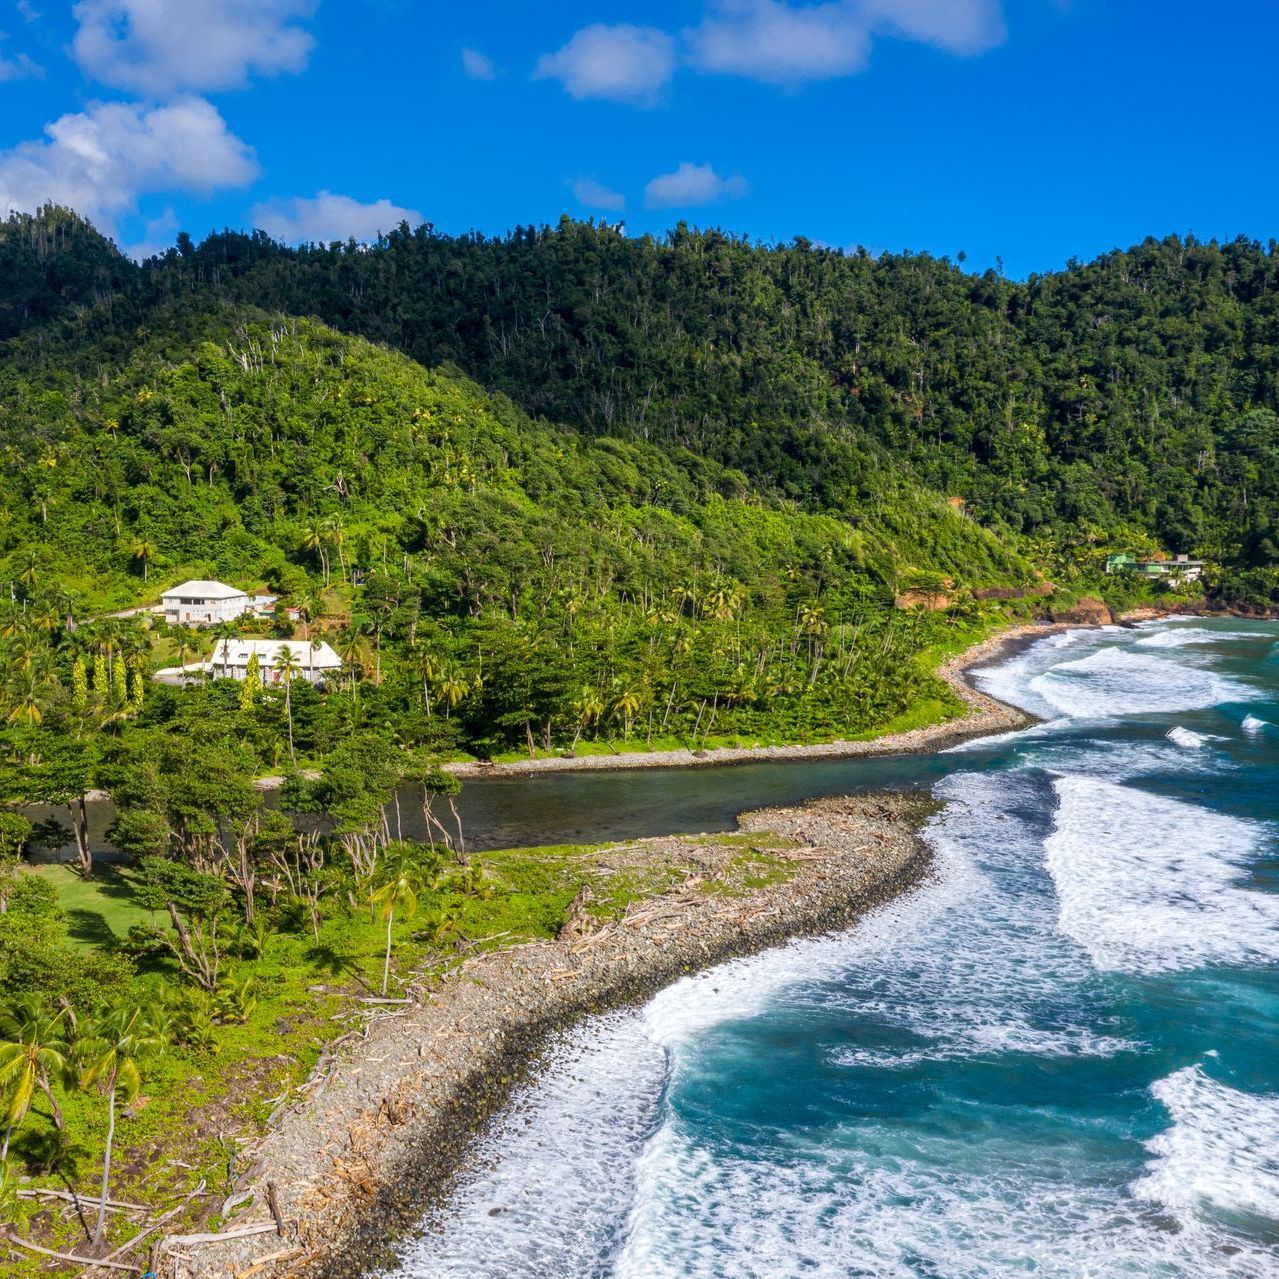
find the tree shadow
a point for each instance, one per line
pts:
(90, 927)
(334, 962)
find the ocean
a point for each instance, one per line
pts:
(1059, 1056)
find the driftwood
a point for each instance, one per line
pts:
(13, 1239)
(46, 1193)
(154, 1226)
(270, 1259)
(243, 1232)
(273, 1202)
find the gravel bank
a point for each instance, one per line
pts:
(380, 1137)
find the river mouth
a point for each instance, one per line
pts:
(1058, 1055)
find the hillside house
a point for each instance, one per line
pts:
(206, 603)
(1180, 569)
(230, 659)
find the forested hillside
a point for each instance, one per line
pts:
(1134, 394)
(534, 576)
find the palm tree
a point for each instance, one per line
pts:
(32, 1050)
(224, 633)
(111, 1053)
(287, 668)
(589, 708)
(628, 705)
(353, 651)
(337, 532)
(315, 538)
(143, 550)
(453, 688)
(25, 701)
(398, 886)
(430, 669)
(29, 568)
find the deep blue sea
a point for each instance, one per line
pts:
(1058, 1057)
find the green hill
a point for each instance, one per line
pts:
(428, 521)
(1129, 401)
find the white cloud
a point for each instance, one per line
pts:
(788, 44)
(157, 236)
(100, 160)
(692, 184)
(28, 11)
(960, 26)
(20, 68)
(159, 47)
(595, 195)
(477, 65)
(619, 63)
(765, 40)
(329, 217)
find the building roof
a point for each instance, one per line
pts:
(317, 656)
(203, 590)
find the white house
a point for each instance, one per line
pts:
(230, 659)
(200, 603)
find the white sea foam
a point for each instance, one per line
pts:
(994, 1039)
(1219, 1155)
(1148, 884)
(1184, 636)
(1121, 760)
(873, 1202)
(1252, 724)
(549, 1186)
(1187, 738)
(1121, 681)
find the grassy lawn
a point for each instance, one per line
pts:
(98, 910)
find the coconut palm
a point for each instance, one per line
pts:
(287, 668)
(395, 892)
(32, 1051)
(430, 669)
(24, 701)
(627, 705)
(224, 633)
(142, 549)
(111, 1052)
(315, 538)
(453, 688)
(354, 653)
(588, 708)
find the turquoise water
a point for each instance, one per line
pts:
(1056, 1058)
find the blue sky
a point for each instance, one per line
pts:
(1027, 131)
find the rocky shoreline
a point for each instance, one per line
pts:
(382, 1130)
(355, 1166)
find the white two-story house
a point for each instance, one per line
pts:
(201, 603)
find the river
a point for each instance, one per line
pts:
(1057, 1057)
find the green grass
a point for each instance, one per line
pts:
(98, 910)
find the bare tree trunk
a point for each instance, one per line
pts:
(386, 965)
(100, 1233)
(79, 812)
